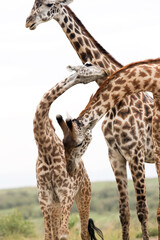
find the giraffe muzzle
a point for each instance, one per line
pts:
(30, 23)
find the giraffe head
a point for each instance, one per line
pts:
(44, 10)
(76, 140)
(77, 136)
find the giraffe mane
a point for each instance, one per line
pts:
(97, 44)
(148, 61)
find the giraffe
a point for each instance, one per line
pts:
(138, 107)
(56, 188)
(135, 77)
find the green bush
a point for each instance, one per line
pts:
(152, 233)
(74, 218)
(14, 224)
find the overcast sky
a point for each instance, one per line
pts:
(31, 62)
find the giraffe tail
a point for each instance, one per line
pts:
(92, 229)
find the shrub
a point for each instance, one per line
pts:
(74, 218)
(152, 233)
(14, 224)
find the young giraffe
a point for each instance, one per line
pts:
(136, 77)
(56, 188)
(138, 107)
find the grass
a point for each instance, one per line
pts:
(104, 210)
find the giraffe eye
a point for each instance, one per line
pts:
(49, 5)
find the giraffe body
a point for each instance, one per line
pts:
(131, 107)
(56, 188)
(136, 77)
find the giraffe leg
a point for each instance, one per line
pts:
(56, 216)
(66, 205)
(46, 211)
(45, 200)
(83, 199)
(137, 167)
(156, 144)
(118, 164)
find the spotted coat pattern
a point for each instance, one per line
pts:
(56, 188)
(136, 108)
(133, 78)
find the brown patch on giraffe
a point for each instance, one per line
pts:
(99, 112)
(86, 41)
(157, 73)
(77, 31)
(117, 138)
(108, 129)
(84, 57)
(96, 54)
(149, 71)
(80, 40)
(72, 36)
(142, 73)
(105, 97)
(125, 137)
(126, 126)
(110, 141)
(124, 112)
(116, 88)
(147, 110)
(139, 104)
(120, 81)
(71, 26)
(76, 45)
(68, 30)
(100, 63)
(89, 53)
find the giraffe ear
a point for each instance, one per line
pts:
(69, 123)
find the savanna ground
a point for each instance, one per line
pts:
(21, 219)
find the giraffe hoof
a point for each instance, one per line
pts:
(158, 220)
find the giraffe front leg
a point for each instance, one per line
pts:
(66, 205)
(118, 164)
(137, 167)
(83, 199)
(56, 217)
(46, 211)
(45, 200)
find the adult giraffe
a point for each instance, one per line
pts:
(135, 77)
(131, 107)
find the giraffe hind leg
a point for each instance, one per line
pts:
(118, 164)
(82, 199)
(137, 167)
(66, 205)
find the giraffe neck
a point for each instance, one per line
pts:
(87, 48)
(134, 78)
(41, 121)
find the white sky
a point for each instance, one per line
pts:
(31, 62)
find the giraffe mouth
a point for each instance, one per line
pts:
(33, 26)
